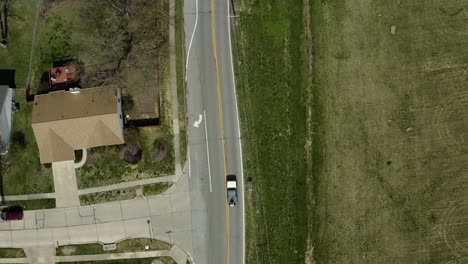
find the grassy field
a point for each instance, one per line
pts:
(271, 83)
(391, 152)
(21, 26)
(129, 245)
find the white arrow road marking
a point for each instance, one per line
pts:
(198, 122)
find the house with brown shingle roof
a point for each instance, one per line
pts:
(65, 121)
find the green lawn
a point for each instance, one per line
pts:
(180, 64)
(271, 85)
(25, 173)
(21, 26)
(12, 253)
(155, 189)
(129, 245)
(34, 204)
(138, 244)
(109, 196)
(107, 166)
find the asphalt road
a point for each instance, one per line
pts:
(214, 136)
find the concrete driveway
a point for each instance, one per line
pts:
(66, 189)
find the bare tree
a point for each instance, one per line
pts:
(126, 32)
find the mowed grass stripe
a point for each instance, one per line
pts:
(272, 81)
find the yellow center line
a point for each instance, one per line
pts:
(221, 119)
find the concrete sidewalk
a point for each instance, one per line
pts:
(40, 254)
(164, 217)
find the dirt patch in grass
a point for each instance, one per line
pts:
(83, 249)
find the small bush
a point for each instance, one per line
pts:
(159, 150)
(132, 153)
(19, 139)
(127, 103)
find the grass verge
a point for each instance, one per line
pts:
(109, 196)
(165, 260)
(271, 85)
(123, 194)
(12, 253)
(129, 245)
(155, 189)
(34, 204)
(179, 47)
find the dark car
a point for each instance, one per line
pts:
(11, 213)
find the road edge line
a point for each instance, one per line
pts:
(191, 39)
(238, 130)
(207, 151)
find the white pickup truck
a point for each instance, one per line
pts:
(231, 185)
